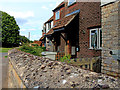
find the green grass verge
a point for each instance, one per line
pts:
(3, 50)
(6, 56)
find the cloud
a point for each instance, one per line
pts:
(21, 21)
(44, 7)
(21, 17)
(26, 14)
(35, 37)
(27, 29)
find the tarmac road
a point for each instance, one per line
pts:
(3, 70)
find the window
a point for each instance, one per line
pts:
(46, 27)
(49, 26)
(96, 38)
(70, 2)
(57, 15)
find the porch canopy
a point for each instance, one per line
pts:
(62, 24)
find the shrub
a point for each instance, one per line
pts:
(35, 45)
(33, 50)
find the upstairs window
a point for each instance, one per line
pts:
(46, 27)
(57, 15)
(49, 26)
(96, 38)
(70, 2)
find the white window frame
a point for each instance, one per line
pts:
(71, 3)
(56, 15)
(51, 24)
(46, 27)
(98, 38)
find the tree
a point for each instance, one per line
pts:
(10, 30)
(24, 39)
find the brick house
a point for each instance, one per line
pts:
(76, 29)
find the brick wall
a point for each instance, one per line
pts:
(110, 33)
(89, 17)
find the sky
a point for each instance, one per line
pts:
(30, 14)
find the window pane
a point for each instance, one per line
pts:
(94, 39)
(71, 2)
(49, 26)
(57, 16)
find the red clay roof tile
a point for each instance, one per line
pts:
(62, 23)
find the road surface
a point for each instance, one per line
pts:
(3, 70)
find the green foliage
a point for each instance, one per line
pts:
(33, 50)
(66, 58)
(35, 45)
(9, 29)
(44, 48)
(31, 41)
(24, 39)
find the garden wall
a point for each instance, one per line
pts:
(29, 71)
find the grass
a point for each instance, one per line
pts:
(3, 50)
(6, 56)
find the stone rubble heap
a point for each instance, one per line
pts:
(40, 72)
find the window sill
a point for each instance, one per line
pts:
(57, 19)
(95, 48)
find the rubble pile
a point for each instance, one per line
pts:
(40, 72)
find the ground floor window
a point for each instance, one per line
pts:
(96, 38)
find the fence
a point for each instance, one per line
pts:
(59, 55)
(93, 64)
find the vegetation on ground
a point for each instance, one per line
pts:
(32, 50)
(3, 50)
(36, 45)
(6, 56)
(65, 58)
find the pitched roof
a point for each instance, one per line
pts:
(62, 3)
(42, 38)
(64, 21)
(50, 32)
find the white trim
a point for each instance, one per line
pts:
(90, 37)
(98, 39)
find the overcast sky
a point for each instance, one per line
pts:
(30, 14)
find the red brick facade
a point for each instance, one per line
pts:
(77, 31)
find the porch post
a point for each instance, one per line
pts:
(67, 48)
